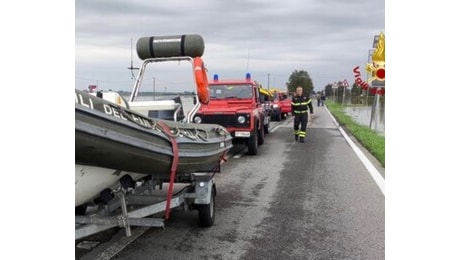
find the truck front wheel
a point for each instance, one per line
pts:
(261, 135)
(253, 142)
(278, 117)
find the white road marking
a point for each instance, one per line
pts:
(274, 129)
(238, 155)
(278, 126)
(379, 180)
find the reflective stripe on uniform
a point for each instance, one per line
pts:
(300, 112)
(301, 106)
(302, 134)
(301, 103)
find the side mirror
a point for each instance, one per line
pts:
(194, 100)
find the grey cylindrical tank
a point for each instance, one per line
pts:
(170, 46)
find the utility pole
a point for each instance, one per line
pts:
(268, 81)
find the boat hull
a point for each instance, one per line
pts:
(113, 137)
(100, 142)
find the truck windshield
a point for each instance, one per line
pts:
(280, 96)
(231, 91)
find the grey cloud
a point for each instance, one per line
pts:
(325, 37)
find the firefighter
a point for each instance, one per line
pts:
(300, 105)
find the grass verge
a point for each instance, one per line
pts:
(368, 138)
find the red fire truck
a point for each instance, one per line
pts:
(236, 105)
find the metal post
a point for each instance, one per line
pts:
(370, 53)
(369, 60)
(335, 90)
(337, 95)
(377, 109)
(373, 111)
(124, 211)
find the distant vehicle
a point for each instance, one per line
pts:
(236, 105)
(281, 104)
(285, 104)
(266, 98)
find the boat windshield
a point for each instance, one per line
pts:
(231, 91)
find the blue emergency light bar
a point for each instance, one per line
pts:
(248, 76)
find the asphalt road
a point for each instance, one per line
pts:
(312, 200)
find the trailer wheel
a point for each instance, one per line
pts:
(206, 212)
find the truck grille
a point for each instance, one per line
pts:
(223, 120)
(267, 106)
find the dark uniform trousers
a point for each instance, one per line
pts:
(301, 119)
(300, 106)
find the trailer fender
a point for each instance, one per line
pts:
(203, 189)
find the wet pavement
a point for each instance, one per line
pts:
(312, 200)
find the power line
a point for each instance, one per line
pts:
(105, 81)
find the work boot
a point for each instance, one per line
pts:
(302, 140)
(296, 137)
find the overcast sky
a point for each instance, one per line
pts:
(326, 38)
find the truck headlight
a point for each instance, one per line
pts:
(275, 105)
(241, 119)
(197, 120)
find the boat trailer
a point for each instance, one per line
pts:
(133, 202)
